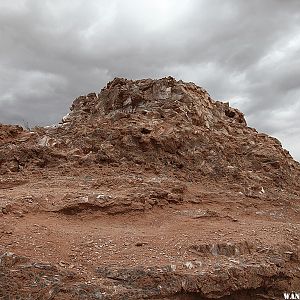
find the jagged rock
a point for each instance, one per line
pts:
(167, 122)
(147, 160)
(47, 280)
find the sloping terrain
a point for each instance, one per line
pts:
(148, 190)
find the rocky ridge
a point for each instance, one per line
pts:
(146, 156)
(162, 124)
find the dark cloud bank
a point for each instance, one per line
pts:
(244, 52)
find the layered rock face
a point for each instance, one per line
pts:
(149, 189)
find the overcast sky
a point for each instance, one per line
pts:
(244, 52)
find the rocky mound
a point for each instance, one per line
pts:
(160, 124)
(148, 190)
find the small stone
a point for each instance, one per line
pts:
(189, 265)
(140, 244)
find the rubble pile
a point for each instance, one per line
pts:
(161, 124)
(148, 189)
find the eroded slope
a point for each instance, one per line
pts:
(148, 190)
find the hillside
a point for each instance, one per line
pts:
(148, 189)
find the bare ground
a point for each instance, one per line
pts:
(101, 240)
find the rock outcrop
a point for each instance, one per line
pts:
(162, 124)
(149, 189)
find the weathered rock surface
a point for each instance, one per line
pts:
(148, 190)
(162, 124)
(210, 279)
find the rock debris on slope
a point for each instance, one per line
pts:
(162, 123)
(138, 146)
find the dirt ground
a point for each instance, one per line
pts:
(210, 229)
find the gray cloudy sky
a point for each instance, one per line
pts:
(244, 52)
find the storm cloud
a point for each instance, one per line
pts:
(244, 52)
